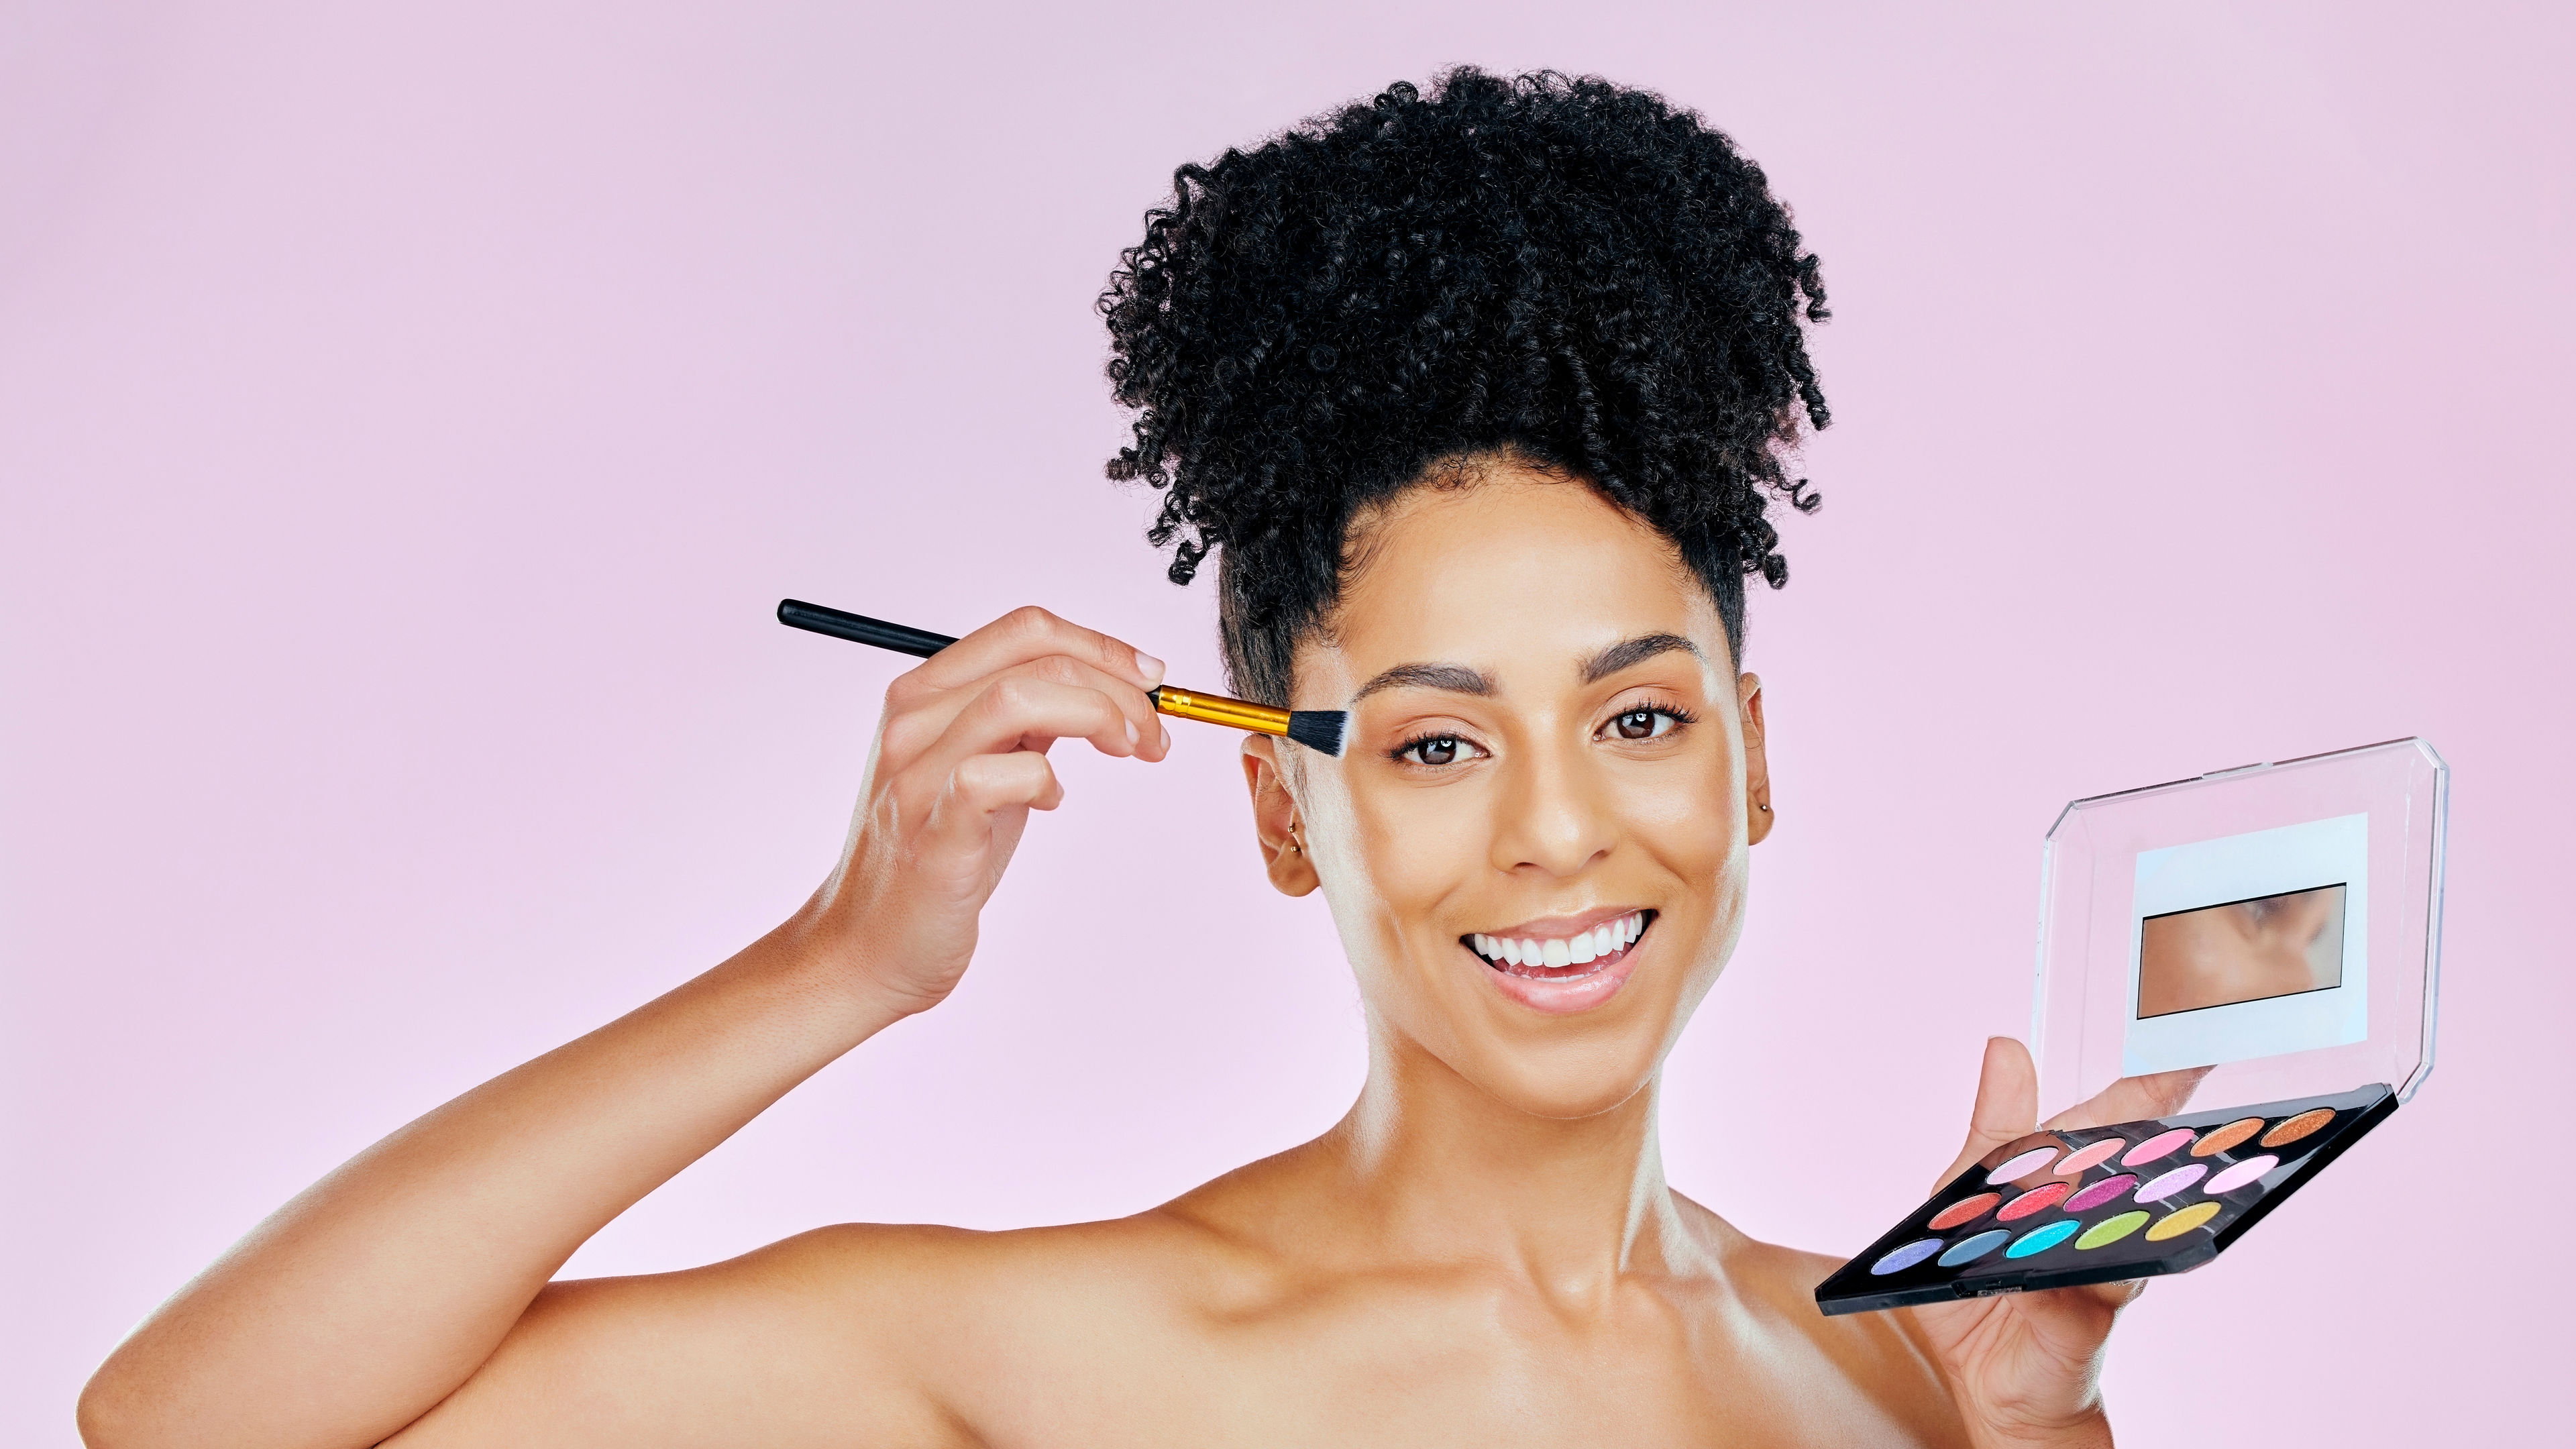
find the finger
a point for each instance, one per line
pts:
(1017, 712)
(925, 721)
(918, 715)
(983, 786)
(2007, 1103)
(2121, 1294)
(2134, 1099)
(1032, 633)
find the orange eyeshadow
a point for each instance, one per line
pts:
(2222, 1138)
(2303, 1125)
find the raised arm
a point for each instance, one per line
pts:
(374, 1295)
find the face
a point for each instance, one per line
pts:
(1534, 845)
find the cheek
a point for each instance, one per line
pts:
(1417, 847)
(1693, 822)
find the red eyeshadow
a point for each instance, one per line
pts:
(1965, 1210)
(2038, 1199)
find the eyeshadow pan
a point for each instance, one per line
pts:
(2111, 1230)
(2126, 1200)
(2177, 1224)
(2040, 1240)
(2297, 1127)
(2084, 1158)
(1969, 1250)
(2101, 1192)
(2039, 1199)
(1965, 1210)
(2230, 1179)
(1906, 1257)
(2222, 1138)
(2163, 1144)
(2022, 1166)
(2171, 1183)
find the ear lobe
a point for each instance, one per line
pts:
(1274, 819)
(1758, 815)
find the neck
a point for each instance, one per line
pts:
(1445, 1171)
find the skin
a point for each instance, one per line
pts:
(1483, 1249)
(2240, 952)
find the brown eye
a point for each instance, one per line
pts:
(1437, 750)
(1638, 724)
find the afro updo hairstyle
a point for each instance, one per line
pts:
(1558, 270)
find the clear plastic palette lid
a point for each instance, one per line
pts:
(2279, 923)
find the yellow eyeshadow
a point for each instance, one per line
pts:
(2182, 1222)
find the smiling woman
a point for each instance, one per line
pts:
(1479, 400)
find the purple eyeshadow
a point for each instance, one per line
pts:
(2172, 1182)
(2101, 1192)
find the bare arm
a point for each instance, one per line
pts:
(370, 1298)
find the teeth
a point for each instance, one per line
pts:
(1582, 950)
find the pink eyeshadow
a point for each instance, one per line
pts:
(2163, 1144)
(2083, 1158)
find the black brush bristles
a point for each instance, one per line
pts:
(1319, 730)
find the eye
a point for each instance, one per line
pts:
(1436, 750)
(1642, 724)
(1648, 722)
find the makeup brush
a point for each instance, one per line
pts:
(1319, 730)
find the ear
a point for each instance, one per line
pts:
(1274, 819)
(1757, 764)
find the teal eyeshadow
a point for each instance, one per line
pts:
(1969, 1250)
(2040, 1240)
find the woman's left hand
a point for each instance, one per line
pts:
(2025, 1368)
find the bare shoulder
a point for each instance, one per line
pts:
(1880, 1356)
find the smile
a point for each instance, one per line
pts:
(1535, 953)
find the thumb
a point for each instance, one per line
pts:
(2007, 1103)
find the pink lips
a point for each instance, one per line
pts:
(1574, 987)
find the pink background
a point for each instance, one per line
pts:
(407, 421)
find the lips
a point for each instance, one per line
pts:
(1564, 948)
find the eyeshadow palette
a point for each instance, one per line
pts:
(2060, 1209)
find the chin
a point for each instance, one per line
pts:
(1568, 1084)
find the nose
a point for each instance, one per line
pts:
(1554, 815)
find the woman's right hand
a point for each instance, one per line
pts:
(960, 760)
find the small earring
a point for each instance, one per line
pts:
(1766, 807)
(1293, 847)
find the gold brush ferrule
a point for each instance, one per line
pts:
(1216, 709)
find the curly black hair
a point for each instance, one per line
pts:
(1561, 269)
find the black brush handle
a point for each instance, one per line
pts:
(859, 628)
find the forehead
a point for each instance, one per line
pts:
(1521, 576)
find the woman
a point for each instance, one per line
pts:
(1477, 399)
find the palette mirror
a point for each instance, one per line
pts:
(2276, 924)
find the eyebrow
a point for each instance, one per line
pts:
(1459, 679)
(1455, 678)
(1629, 653)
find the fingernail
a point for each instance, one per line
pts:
(1132, 736)
(1150, 667)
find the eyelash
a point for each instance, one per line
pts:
(1681, 718)
(1415, 744)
